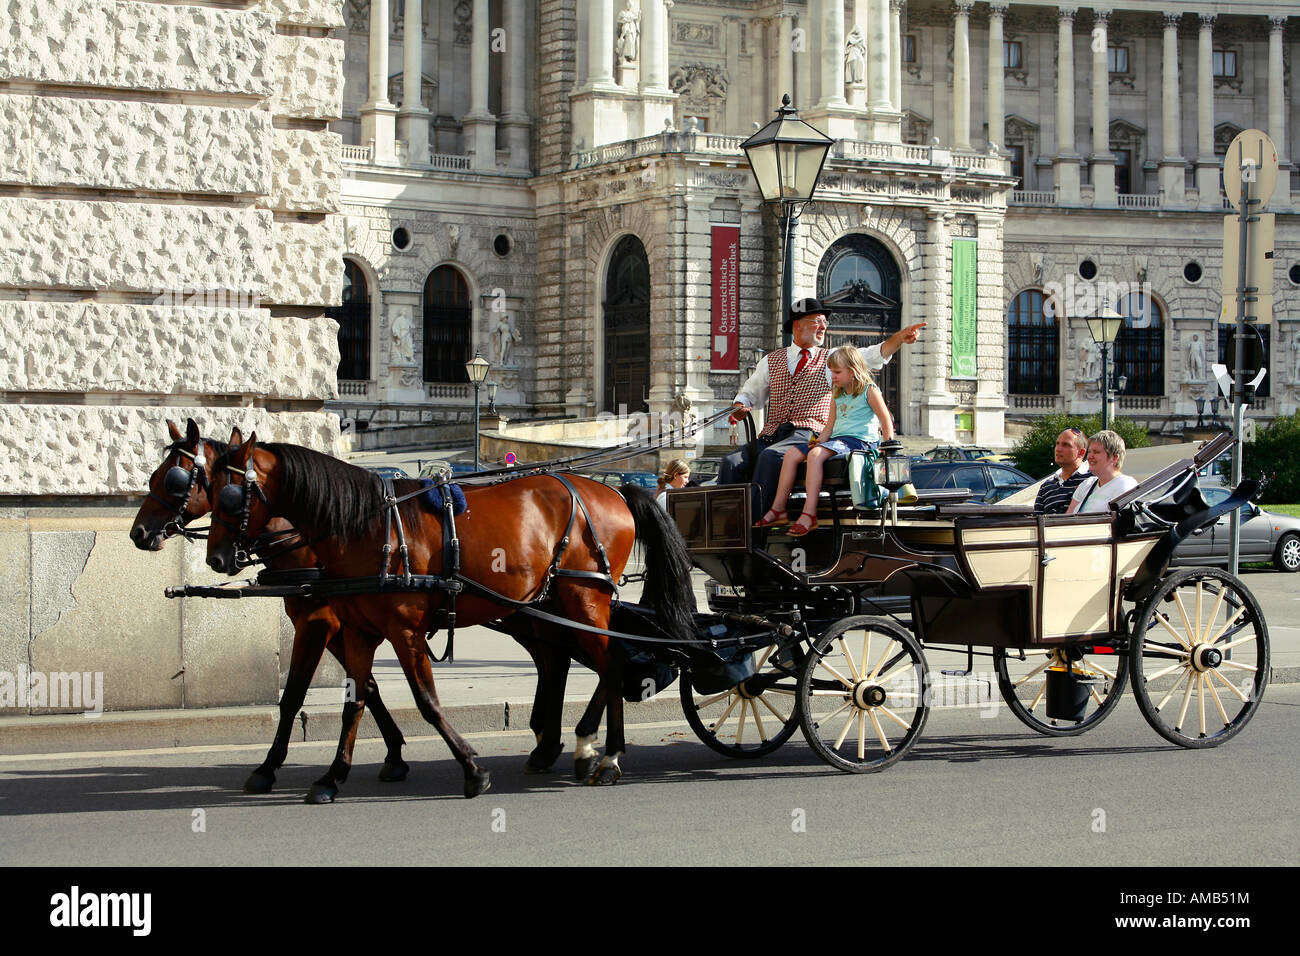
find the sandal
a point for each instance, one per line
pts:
(798, 529)
(777, 518)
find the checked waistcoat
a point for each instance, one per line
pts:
(803, 400)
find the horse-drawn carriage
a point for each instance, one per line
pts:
(828, 631)
(1069, 608)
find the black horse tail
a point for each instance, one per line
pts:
(667, 564)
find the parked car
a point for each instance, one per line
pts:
(704, 471)
(964, 453)
(388, 471)
(1265, 536)
(988, 481)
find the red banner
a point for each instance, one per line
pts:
(725, 350)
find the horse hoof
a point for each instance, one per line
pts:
(321, 793)
(479, 782)
(584, 766)
(534, 766)
(604, 777)
(259, 782)
(394, 771)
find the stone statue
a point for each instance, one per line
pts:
(504, 336)
(1295, 356)
(629, 33)
(1196, 360)
(855, 56)
(403, 341)
(1091, 361)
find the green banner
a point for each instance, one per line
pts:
(965, 307)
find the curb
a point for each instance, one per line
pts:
(240, 726)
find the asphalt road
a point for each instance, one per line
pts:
(974, 791)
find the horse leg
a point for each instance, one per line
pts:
(548, 703)
(585, 755)
(395, 768)
(309, 639)
(358, 659)
(419, 674)
(608, 772)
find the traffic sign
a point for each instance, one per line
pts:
(1259, 272)
(1252, 355)
(1251, 154)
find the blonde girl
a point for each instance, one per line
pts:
(675, 475)
(858, 418)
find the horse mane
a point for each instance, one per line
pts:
(329, 495)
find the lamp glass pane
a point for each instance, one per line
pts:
(763, 161)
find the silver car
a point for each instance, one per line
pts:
(1265, 536)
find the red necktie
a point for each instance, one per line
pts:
(803, 360)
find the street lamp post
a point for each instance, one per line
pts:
(1104, 328)
(786, 157)
(477, 369)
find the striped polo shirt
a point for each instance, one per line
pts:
(1054, 494)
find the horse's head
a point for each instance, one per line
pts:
(178, 488)
(242, 485)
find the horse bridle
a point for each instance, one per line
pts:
(179, 484)
(234, 499)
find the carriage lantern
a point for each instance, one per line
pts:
(893, 467)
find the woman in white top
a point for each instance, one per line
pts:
(1105, 458)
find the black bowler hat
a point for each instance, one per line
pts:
(801, 309)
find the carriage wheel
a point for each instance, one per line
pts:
(862, 694)
(1024, 684)
(754, 717)
(1199, 657)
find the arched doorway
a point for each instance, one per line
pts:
(448, 315)
(353, 317)
(861, 283)
(626, 312)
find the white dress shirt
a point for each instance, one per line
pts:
(754, 393)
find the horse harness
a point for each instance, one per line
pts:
(179, 484)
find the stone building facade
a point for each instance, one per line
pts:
(169, 243)
(525, 167)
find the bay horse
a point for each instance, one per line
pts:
(553, 542)
(178, 495)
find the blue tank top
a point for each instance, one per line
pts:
(854, 417)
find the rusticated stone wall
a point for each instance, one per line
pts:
(169, 242)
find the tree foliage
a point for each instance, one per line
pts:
(1034, 452)
(1275, 455)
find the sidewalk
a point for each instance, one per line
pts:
(488, 687)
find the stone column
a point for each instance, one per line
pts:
(1103, 162)
(896, 53)
(479, 124)
(734, 106)
(961, 74)
(1277, 104)
(879, 96)
(937, 403)
(1207, 164)
(997, 109)
(413, 117)
(516, 121)
(656, 98)
(378, 115)
(785, 59)
(1172, 163)
(600, 43)
(802, 93)
(1065, 165)
(832, 65)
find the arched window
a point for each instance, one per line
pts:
(1140, 346)
(860, 282)
(627, 327)
(1033, 345)
(447, 317)
(353, 317)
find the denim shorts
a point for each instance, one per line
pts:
(841, 445)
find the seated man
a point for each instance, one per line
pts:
(796, 386)
(1054, 494)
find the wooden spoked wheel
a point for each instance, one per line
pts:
(1023, 684)
(863, 694)
(1200, 657)
(754, 717)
